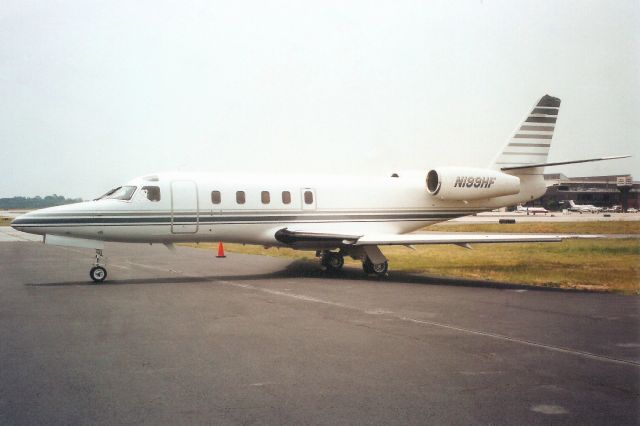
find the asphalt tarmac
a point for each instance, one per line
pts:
(187, 338)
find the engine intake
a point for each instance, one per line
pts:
(466, 183)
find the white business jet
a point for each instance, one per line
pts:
(583, 208)
(335, 216)
(531, 210)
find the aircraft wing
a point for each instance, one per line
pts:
(299, 236)
(454, 238)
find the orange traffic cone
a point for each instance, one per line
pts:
(220, 250)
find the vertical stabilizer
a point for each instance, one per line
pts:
(530, 143)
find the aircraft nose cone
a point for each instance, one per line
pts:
(18, 221)
(40, 221)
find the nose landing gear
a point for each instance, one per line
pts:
(98, 273)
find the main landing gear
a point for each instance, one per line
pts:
(373, 261)
(379, 269)
(332, 261)
(98, 273)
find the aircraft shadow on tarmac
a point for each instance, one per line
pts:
(306, 269)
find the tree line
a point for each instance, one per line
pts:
(36, 202)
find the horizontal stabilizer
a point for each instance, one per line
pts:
(560, 163)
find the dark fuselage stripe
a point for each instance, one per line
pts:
(219, 223)
(247, 212)
(130, 221)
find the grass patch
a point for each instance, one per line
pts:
(603, 264)
(599, 264)
(5, 221)
(595, 227)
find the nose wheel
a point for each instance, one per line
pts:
(98, 273)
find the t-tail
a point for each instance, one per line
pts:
(530, 143)
(527, 150)
(517, 173)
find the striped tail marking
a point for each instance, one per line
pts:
(530, 143)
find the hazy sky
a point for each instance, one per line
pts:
(93, 93)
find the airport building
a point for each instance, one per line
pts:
(601, 191)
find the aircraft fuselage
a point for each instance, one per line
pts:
(187, 207)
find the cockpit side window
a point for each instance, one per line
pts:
(120, 193)
(153, 192)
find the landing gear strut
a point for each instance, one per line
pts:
(380, 269)
(98, 273)
(374, 261)
(332, 261)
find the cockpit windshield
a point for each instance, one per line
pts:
(119, 193)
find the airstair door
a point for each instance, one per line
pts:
(184, 207)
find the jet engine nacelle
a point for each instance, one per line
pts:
(466, 183)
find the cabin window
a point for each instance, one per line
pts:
(286, 197)
(153, 192)
(265, 197)
(120, 193)
(240, 198)
(216, 198)
(308, 197)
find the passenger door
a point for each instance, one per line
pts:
(185, 216)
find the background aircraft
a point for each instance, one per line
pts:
(583, 208)
(531, 210)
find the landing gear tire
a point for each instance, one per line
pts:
(98, 274)
(332, 261)
(379, 269)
